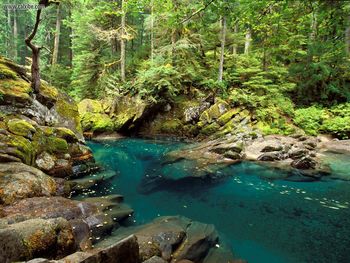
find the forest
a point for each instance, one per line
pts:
(174, 131)
(279, 58)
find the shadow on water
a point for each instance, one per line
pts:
(263, 213)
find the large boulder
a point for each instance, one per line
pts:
(129, 112)
(123, 251)
(18, 181)
(173, 238)
(36, 237)
(93, 116)
(99, 215)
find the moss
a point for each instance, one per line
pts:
(66, 134)
(67, 108)
(20, 127)
(228, 116)
(48, 131)
(56, 145)
(97, 122)
(15, 90)
(121, 120)
(214, 112)
(229, 127)
(190, 130)
(23, 148)
(6, 72)
(89, 105)
(48, 92)
(210, 129)
(171, 126)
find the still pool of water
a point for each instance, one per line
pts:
(263, 220)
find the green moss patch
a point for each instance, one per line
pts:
(20, 127)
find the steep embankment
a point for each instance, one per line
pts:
(41, 142)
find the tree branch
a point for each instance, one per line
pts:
(198, 11)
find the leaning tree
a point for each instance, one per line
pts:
(35, 69)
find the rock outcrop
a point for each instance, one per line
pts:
(123, 114)
(174, 239)
(301, 155)
(42, 145)
(41, 130)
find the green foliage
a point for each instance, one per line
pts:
(337, 126)
(263, 92)
(310, 119)
(58, 76)
(158, 80)
(315, 120)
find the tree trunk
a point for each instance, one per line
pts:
(173, 41)
(57, 36)
(152, 31)
(234, 46)
(122, 45)
(248, 37)
(222, 52)
(35, 69)
(9, 35)
(347, 37)
(313, 26)
(15, 35)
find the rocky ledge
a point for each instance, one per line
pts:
(42, 159)
(299, 155)
(166, 239)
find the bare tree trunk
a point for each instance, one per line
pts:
(57, 36)
(248, 39)
(347, 37)
(234, 46)
(122, 45)
(222, 52)
(313, 25)
(35, 70)
(15, 34)
(9, 35)
(152, 31)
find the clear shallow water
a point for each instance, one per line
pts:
(263, 220)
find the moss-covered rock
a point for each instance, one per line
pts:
(21, 127)
(6, 72)
(98, 122)
(64, 113)
(91, 106)
(171, 126)
(36, 237)
(18, 181)
(210, 129)
(15, 91)
(223, 119)
(128, 111)
(93, 116)
(214, 112)
(56, 145)
(66, 134)
(18, 146)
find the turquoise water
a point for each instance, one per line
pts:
(264, 219)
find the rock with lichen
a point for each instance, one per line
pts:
(41, 130)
